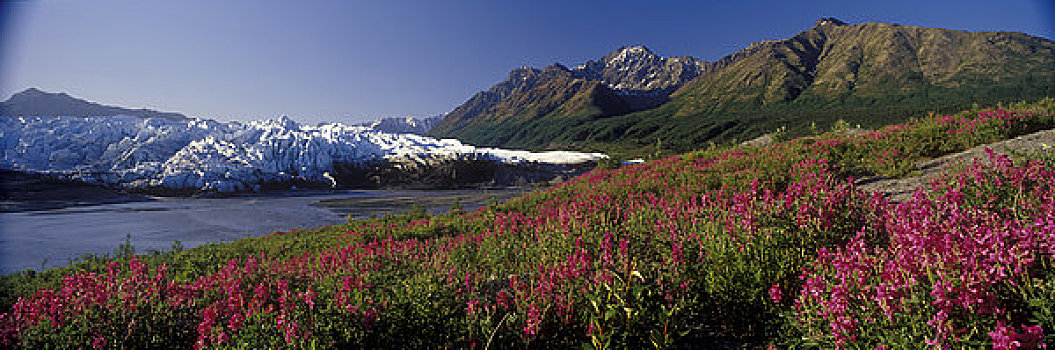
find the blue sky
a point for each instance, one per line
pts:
(354, 60)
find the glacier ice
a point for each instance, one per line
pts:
(207, 155)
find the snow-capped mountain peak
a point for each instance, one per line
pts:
(637, 69)
(638, 53)
(404, 125)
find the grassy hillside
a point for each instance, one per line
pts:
(720, 247)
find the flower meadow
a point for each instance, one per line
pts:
(734, 246)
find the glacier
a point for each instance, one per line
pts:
(210, 156)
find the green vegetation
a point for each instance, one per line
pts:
(740, 245)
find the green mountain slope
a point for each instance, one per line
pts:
(528, 95)
(872, 62)
(870, 74)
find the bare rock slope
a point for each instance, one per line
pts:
(899, 190)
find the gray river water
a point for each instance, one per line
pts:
(50, 238)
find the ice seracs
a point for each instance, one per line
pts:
(207, 155)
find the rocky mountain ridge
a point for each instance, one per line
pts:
(629, 79)
(636, 70)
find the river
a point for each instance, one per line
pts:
(49, 238)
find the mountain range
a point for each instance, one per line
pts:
(869, 74)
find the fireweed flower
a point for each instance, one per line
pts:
(775, 293)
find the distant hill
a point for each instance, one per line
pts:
(869, 74)
(34, 102)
